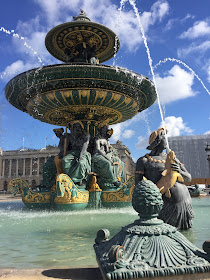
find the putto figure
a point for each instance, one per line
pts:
(177, 209)
(105, 161)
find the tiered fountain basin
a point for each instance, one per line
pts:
(59, 94)
(93, 94)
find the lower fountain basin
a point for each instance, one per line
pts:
(41, 239)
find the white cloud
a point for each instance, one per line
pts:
(199, 48)
(117, 128)
(107, 13)
(143, 142)
(208, 73)
(175, 86)
(176, 126)
(200, 28)
(159, 9)
(207, 132)
(121, 131)
(128, 133)
(173, 22)
(54, 12)
(14, 69)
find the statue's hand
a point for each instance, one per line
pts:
(175, 167)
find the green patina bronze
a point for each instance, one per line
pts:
(86, 98)
(148, 247)
(59, 94)
(71, 35)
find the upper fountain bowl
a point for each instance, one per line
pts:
(59, 94)
(82, 30)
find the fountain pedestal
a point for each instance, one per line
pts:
(148, 247)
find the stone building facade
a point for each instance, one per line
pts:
(125, 156)
(27, 164)
(190, 150)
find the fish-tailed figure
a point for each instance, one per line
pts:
(169, 175)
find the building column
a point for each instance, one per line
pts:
(10, 167)
(3, 168)
(24, 167)
(37, 166)
(31, 167)
(17, 167)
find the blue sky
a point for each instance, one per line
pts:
(177, 30)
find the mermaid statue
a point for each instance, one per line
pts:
(169, 175)
(105, 160)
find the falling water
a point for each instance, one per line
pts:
(132, 3)
(117, 25)
(12, 32)
(185, 65)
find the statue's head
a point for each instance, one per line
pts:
(58, 131)
(103, 129)
(157, 138)
(110, 132)
(76, 127)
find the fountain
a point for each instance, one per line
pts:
(86, 97)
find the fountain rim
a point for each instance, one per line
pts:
(75, 64)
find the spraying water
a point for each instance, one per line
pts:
(185, 65)
(132, 3)
(16, 35)
(117, 25)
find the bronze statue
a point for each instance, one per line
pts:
(177, 209)
(53, 166)
(77, 162)
(105, 163)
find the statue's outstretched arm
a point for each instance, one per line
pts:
(139, 173)
(84, 147)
